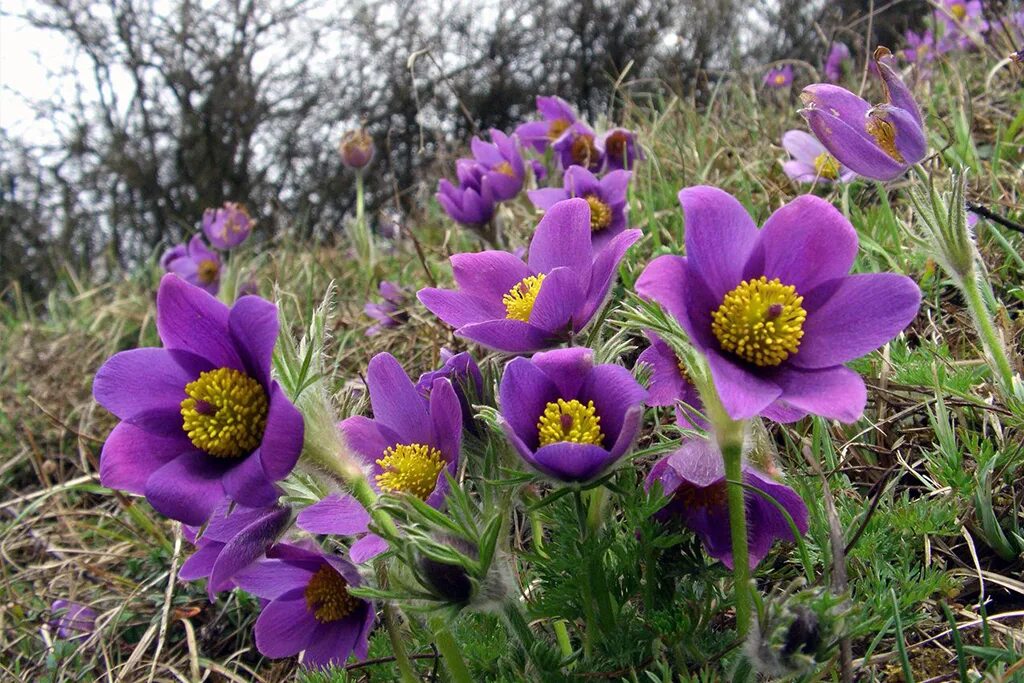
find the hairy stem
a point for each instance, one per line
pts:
(405, 669)
(449, 649)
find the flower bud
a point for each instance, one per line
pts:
(356, 148)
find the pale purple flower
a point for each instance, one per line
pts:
(387, 313)
(779, 77)
(72, 620)
(557, 115)
(838, 55)
(606, 197)
(921, 47)
(811, 162)
(196, 263)
(228, 226)
(471, 202)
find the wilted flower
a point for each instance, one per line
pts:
(501, 165)
(811, 162)
(200, 417)
(838, 54)
(387, 313)
(669, 384)
(694, 479)
(578, 147)
(779, 77)
(72, 620)
(356, 148)
(195, 263)
(518, 307)
(773, 310)
(310, 608)
(568, 418)
(879, 142)
(557, 115)
(471, 202)
(606, 197)
(228, 226)
(462, 371)
(619, 148)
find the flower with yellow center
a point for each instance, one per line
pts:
(569, 421)
(826, 166)
(600, 213)
(884, 134)
(780, 79)
(958, 10)
(224, 413)
(761, 321)
(410, 468)
(505, 168)
(557, 127)
(520, 299)
(327, 596)
(207, 271)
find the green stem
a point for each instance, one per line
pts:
(363, 240)
(449, 650)
(732, 453)
(990, 339)
(405, 668)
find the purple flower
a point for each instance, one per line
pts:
(568, 418)
(773, 310)
(227, 227)
(811, 162)
(195, 263)
(72, 620)
(502, 166)
(834, 64)
(578, 147)
(235, 537)
(200, 417)
(670, 385)
(920, 47)
(356, 148)
(342, 515)
(619, 148)
(517, 307)
(879, 142)
(964, 21)
(557, 115)
(540, 171)
(694, 478)
(471, 202)
(606, 197)
(310, 608)
(779, 77)
(388, 312)
(464, 374)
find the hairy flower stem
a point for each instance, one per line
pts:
(732, 453)
(561, 632)
(449, 649)
(995, 349)
(408, 674)
(361, 230)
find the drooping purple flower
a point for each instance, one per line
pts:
(606, 197)
(774, 310)
(502, 166)
(879, 142)
(200, 417)
(517, 307)
(838, 54)
(356, 148)
(811, 162)
(471, 202)
(921, 47)
(387, 313)
(228, 226)
(195, 263)
(568, 418)
(72, 620)
(779, 77)
(310, 609)
(557, 115)
(694, 478)
(464, 374)
(670, 385)
(578, 147)
(619, 148)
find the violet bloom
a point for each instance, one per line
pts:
(200, 417)
(195, 263)
(464, 374)
(72, 620)
(471, 202)
(773, 310)
(619, 148)
(540, 171)
(568, 418)
(557, 115)
(811, 162)
(964, 21)
(356, 148)
(388, 312)
(670, 384)
(779, 77)
(920, 47)
(310, 609)
(578, 147)
(228, 226)
(517, 307)
(342, 515)
(879, 142)
(694, 479)
(838, 54)
(502, 165)
(606, 197)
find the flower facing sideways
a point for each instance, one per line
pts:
(606, 197)
(227, 227)
(557, 115)
(195, 263)
(811, 162)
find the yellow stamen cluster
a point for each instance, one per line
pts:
(505, 168)
(207, 271)
(557, 127)
(520, 299)
(569, 421)
(761, 321)
(327, 596)
(583, 150)
(884, 134)
(959, 11)
(780, 79)
(826, 166)
(410, 468)
(600, 213)
(225, 412)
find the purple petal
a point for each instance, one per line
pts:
(363, 436)
(333, 642)
(613, 391)
(488, 276)
(567, 461)
(395, 401)
(337, 514)
(247, 547)
(446, 415)
(253, 326)
(282, 436)
(698, 462)
(247, 484)
(524, 393)
(567, 368)
(802, 146)
(190, 319)
(457, 308)
(199, 565)
(667, 383)
(719, 237)
(547, 197)
(743, 393)
(367, 548)
(836, 393)
(509, 336)
(663, 281)
(579, 182)
(269, 579)
(130, 456)
(286, 626)
(146, 387)
(856, 150)
(188, 488)
(605, 268)
(559, 297)
(562, 238)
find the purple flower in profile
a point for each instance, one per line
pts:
(387, 313)
(568, 418)
(879, 142)
(694, 479)
(200, 417)
(557, 115)
(195, 263)
(964, 22)
(228, 226)
(501, 164)
(670, 385)
(920, 48)
(517, 307)
(72, 620)
(464, 374)
(540, 171)
(619, 148)
(356, 148)
(578, 147)
(471, 202)
(310, 609)
(774, 310)
(606, 197)
(811, 162)
(779, 77)
(838, 54)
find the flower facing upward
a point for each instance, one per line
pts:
(195, 263)
(619, 148)
(471, 202)
(517, 307)
(694, 479)
(838, 55)
(879, 142)
(387, 313)
(577, 146)
(309, 608)
(779, 77)
(227, 227)
(568, 418)
(72, 620)
(811, 162)
(773, 310)
(200, 417)
(501, 164)
(557, 115)
(606, 197)
(356, 148)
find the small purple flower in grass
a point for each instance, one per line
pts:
(779, 77)
(964, 21)
(517, 307)
(557, 115)
(388, 312)
(838, 55)
(72, 620)
(568, 418)
(670, 385)
(578, 147)
(227, 227)
(620, 149)
(694, 479)
(310, 609)
(811, 162)
(879, 142)
(774, 311)
(606, 197)
(470, 202)
(195, 263)
(540, 171)
(200, 417)
(502, 165)
(464, 374)
(920, 48)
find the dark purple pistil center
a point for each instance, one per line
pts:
(566, 422)
(774, 311)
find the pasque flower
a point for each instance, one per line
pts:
(501, 165)
(310, 608)
(464, 374)
(774, 310)
(606, 197)
(670, 384)
(72, 620)
(880, 141)
(557, 115)
(506, 304)
(568, 418)
(811, 162)
(577, 146)
(779, 77)
(356, 148)
(619, 148)
(228, 226)
(195, 263)
(470, 202)
(200, 417)
(694, 479)
(838, 54)
(387, 313)
(964, 22)
(920, 47)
